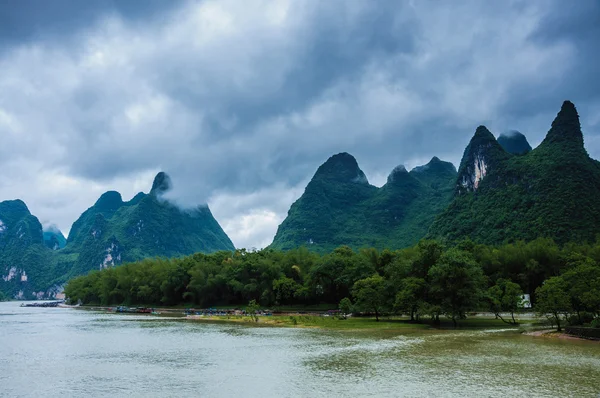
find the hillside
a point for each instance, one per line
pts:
(551, 191)
(111, 232)
(340, 207)
(25, 262)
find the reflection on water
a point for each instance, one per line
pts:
(66, 352)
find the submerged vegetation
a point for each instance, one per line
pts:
(427, 280)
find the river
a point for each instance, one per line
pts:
(76, 353)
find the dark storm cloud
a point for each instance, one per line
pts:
(241, 101)
(28, 20)
(577, 25)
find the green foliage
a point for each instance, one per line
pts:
(369, 294)
(285, 290)
(427, 280)
(456, 282)
(553, 300)
(582, 284)
(345, 307)
(340, 207)
(252, 310)
(505, 296)
(411, 297)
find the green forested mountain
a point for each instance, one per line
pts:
(109, 233)
(113, 231)
(24, 259)
(551, 191)
(340, 207)
(514, 142)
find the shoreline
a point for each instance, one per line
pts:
(317, 320)
(554, 334)
(314, 320)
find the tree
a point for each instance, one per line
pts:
(430, 252)
(345, 307)
(553, 300)
(285, 289)
(583, 286)
(456, 281)
(411, 297)
(252, 310)
(505, 296)
(369, 294)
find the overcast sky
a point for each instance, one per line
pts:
(241, 101)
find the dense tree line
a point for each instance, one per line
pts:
(427, 280)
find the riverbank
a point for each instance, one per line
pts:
(529, 324)
(553, 334)
(352, 323)
(323, 320)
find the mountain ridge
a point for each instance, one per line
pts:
(109, 233)
(340, 207)
(549, 192)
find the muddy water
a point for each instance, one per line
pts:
(74, 353)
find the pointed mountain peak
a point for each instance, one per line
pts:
(341, 167)
(483, 138)
(566, 126)
(12, 211)
(398, 174)
(568, 113)
(16, 206)
(514, 142)
(136, 199)
(435, 165)
(110, 200)
(162, 183)
(481, 155)
(482, 132)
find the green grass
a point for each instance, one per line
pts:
(357, 323)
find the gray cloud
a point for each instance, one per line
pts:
(241, 101)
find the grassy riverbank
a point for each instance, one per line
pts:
(309, 317)
(352, 323)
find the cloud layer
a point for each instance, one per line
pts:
(241, 101)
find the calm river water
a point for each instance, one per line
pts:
(74, 353)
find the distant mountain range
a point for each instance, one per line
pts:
(503, 191)
(552, 191)
(35, 263)
(340, 207)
